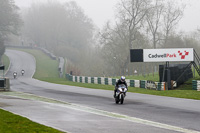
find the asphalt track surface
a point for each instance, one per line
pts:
(83, 110)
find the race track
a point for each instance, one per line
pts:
(83, 110)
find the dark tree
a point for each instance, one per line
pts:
(2, 47)
(10, 21)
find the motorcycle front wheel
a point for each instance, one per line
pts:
(122, 99)
(117, 100)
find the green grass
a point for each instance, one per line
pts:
(45, 66)
(11, 123)
(49, 73)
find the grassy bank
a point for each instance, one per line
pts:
(47, 71)
(45, 66)
(11, 123)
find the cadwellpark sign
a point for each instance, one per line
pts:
(162, 55)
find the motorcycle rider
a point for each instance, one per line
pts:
(119, 82)
(14, 74)
(23, 72)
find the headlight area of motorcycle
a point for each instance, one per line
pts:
(121, 89)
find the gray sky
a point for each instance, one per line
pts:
(102, 10)
(191, 19)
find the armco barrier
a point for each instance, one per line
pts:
(132, 83)
(92, 80)
(86, 79)
(137, 83)
(106, 81)
(142, 83)
(81, 80)
(96, 80)
(102, 80)
(89, 80)
(160, 86)
(128, 82)
(196, 85)
(99, 80)
(113, 81)
(110, 81)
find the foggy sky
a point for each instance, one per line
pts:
(102, 10)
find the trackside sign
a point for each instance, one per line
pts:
(162, 55)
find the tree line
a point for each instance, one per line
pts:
(65, 30)
(10, 22)
(139, 24)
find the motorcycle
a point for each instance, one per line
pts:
(23, 72)
(15, 75)
(120, 94)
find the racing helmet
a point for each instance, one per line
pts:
(122, 78)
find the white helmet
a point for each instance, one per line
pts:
(122, 78)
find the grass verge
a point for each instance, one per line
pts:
(45, 66)
(11, 123)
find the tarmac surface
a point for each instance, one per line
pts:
(83, 110)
